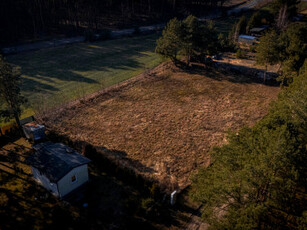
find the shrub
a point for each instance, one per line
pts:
(240, 54)
(147, 203)
(252, 48)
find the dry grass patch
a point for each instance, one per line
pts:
(164, 124)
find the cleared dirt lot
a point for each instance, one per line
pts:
(164, 123)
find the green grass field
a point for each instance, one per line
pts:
(54, 76)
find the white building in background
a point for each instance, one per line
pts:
(246, 39)
(58, 168)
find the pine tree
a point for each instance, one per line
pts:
(10, 90)
(169, 44)
(191, 35)
(293, 51)
(268, 51)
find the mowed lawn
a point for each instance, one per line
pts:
(57, 75)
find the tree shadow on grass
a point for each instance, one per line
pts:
(30, 208)
(124, 159)
(83, 63)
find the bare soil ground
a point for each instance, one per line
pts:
(163, 123)
(249, 62)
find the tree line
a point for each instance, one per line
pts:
(34, 18)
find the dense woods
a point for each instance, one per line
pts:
(35, 18)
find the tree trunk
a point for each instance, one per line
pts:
(188, 59)
(149, 6)
(18, 122)
(122, 9)
(282, 17)
(41, 15)
(174, 5)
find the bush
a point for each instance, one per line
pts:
(240, 54)
(252, 48)
(226, 43)
(147, 203)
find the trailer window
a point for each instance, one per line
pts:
(73, 179)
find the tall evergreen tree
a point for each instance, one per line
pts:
(10, 90)
(169, 44)
(191, 37)
(293, 50)
(268, 51)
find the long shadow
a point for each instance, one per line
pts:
(124, 158)
(67, 64)
(231, 73)
(30, 208)
(113, 161)
(13, 175)
(115, 188)
(113, 197)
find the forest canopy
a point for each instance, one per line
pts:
(34, 18)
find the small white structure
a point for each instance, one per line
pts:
(173, 197)
(246, 39)
(58, 168)
(33, 131)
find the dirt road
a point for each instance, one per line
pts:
(247, 6)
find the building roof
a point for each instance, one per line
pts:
(34, 131)
(247, 37)
(32, 127)
(55, 160)
(259, 29)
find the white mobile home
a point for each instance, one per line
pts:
(58, 168)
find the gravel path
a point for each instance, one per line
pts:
(246, 6)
